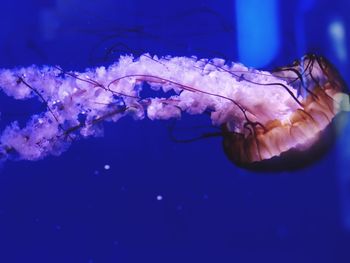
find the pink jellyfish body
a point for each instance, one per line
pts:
(263, 115)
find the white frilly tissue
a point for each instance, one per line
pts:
(77, 102)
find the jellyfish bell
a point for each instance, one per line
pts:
(306, 135)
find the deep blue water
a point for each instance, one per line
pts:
(163, 201)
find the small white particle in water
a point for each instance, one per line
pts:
(159, 197)
(107, 166)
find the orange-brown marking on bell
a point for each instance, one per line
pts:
(302, 131)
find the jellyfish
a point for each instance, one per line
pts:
(263, 116)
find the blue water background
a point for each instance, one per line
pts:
(162, 201)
